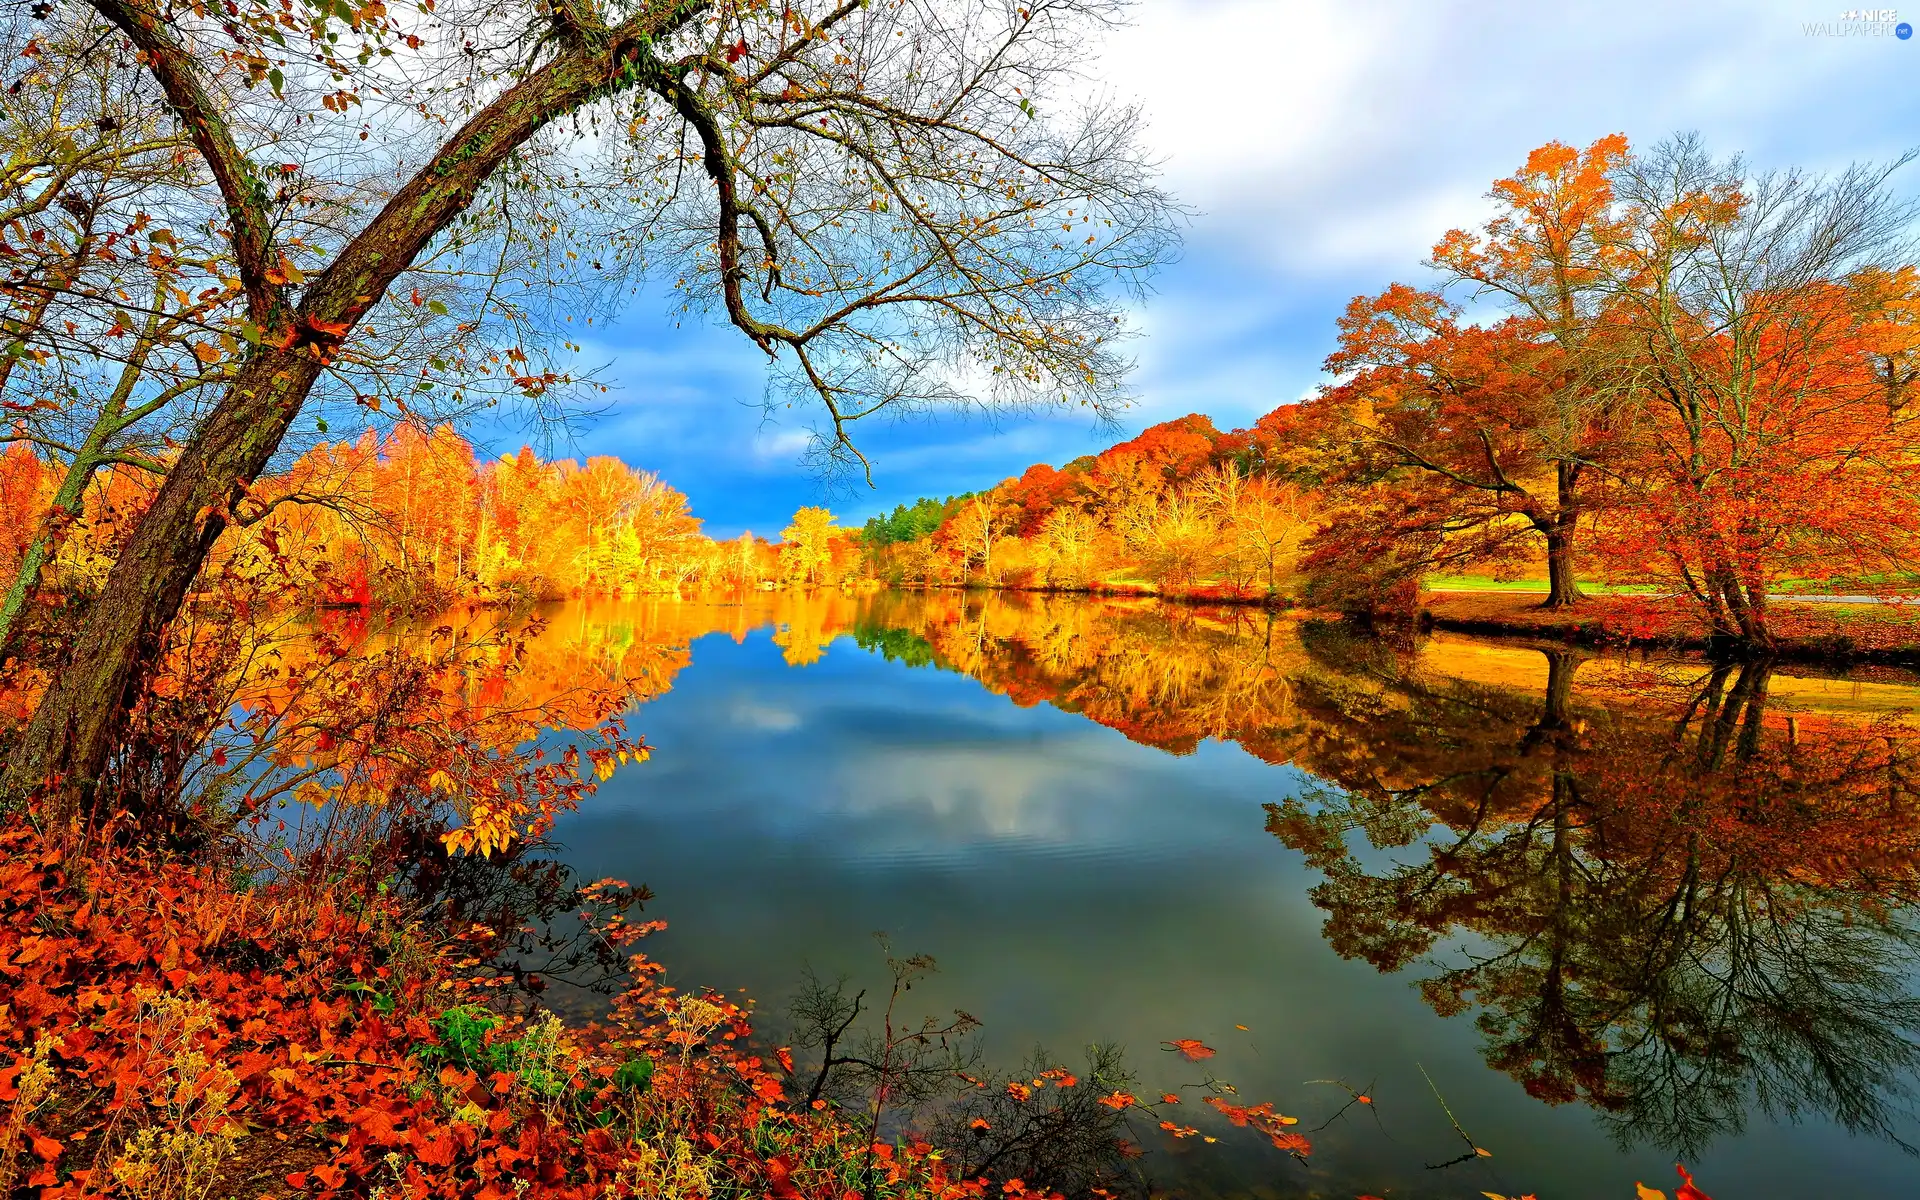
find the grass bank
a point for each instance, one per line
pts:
(1807, 632)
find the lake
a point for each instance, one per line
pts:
(1609, 913)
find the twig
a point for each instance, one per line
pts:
(1358, 1097)
(1473, 1148)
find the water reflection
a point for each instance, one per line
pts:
(1664, 908)
(1656, 896)
(1674, 892)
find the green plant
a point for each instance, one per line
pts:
(462, 1033)
(635, 1075)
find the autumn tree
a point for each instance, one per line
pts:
(883, 191)
(128, 315)
(1175, 537)
(1773, 431)
(92, 150)
(1550, 259)
(806, 545)
(25, 491)
(1262, 519)
(599, 493)
(1479, 440)
(977, 529)
(1442, 467)
(1068, 541)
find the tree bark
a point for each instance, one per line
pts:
(85, 712)
(1560, 530)
(1562, 591)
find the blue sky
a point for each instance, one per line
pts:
(1326, 146)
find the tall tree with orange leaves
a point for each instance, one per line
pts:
(1479, 440)
(1773, 430)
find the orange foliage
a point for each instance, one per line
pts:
(268, 1033)
(26, 490)
(414, 521)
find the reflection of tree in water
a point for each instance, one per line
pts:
(1661, 918)
(546, 919)
(1666, 901)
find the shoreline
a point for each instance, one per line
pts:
(1807, 633)
(1819, 631)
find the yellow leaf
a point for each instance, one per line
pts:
(440, 781)
(311, 793)
(1646, 1193)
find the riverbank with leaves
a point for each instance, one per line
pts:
(169, 1036)
(1836, 634)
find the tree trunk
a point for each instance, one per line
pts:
(92, 454)
(85, 712)
(1560, 529)
(1562, 591)
(1749, 610)
(81, 718)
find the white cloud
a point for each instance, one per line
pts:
(1327, 146)
(768, 718)
(782, 445)
(1320, 135)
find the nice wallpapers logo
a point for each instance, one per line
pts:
(1862, 22)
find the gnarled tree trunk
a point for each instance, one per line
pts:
(1560, 530)
(84, 714)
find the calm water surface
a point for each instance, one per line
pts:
(1618, 912)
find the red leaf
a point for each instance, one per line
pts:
(1687, 1190)
(1191, 1049)
(1292, 1143)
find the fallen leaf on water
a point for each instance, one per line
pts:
(1643, 1192)
(1292, 1143)
(1191, 1049)
(1687, 1190)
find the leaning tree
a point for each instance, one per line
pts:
(903, 204)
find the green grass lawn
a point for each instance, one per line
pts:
(1487, 583)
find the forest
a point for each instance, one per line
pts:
(283, 731)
